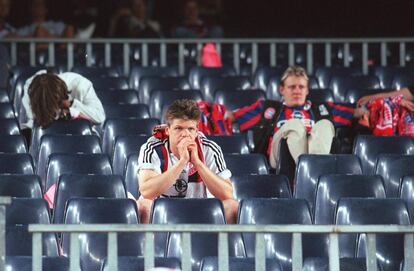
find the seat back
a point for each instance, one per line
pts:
(407, 194)
(124, 146)
(13, 144)
(209, 85)
(6, 111)
(150, 83)
(25, 211)
(234, 99)
(238, 264)
(240, 164)
(263, 74)
(96, 71)
(20, 186)
(354, 94)
(138, 72)
(341, 84)
(401, 80)
(126, 111)
(130, 174)
(231, 144)
(324, 74)
(109, 83)
(260, 186)
(24, 263)
(16, 163)
(118, 96)
(137, 264)
(9, 127)
(197, 74)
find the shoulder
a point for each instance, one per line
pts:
(209, 146)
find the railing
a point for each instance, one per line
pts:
(223, 230)
(255, 47)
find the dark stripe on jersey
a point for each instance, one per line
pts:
(149, 150)
(218, 155)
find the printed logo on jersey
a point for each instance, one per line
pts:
(180, 186)
(269, 113)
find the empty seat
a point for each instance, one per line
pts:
(25, 211)
(118, 96)
(160, 100)
(273, 87)
(124, 146)
(126, 111)
(234, 99)
(12, 144)
(354, 94)
(89, 72)
(393, 167)
(274, 211)
(60, 164)
(407, 194)
(137, 264)
(390, 248)
(260, 186)
(238, 264)
(24, 263)
(346, 264)
(311, 167)
(320, 95)
(93, 246)
(324, 74)
(122, 127)
(386, 74)
(150, 83)
(209, 85)
(263, 75)
(368, 147)
(20, 186)
(108, 83)
(4, 97)
(197, 74)
(231, 144)
(85, 186)
(138, 72)
(341, 84)
(9, 127)
(403, 80)
(130, 174)
(6, 111)
(253, 163)
(16, 163)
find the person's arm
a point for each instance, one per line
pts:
(342, 114)
(405, 92)
(247, 116)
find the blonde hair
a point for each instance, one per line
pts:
(294, 71)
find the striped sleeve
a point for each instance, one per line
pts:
(249, 115)
(342, 114)
(148, 157)
(214, 158)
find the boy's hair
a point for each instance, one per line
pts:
(293, 71)
(183, 109)
(47, 93)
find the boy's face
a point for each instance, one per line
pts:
(294, 91)
(179, 129)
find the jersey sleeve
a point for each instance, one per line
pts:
(342, 114)
(248, 116)
(214, 159)
(148, 157)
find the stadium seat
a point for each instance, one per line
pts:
(311, 167)
(4, 97)
(24, 263)
(60, 164)
(9, 127)
(386, 74)
(25, 211)
(231, 144)
(161, 99)
(197, 74)
(130, 175)
(263, 75)
(209, 85)
(20, 186)
(393, 167)
(89, 72)
(177, 211)
(368, 147)
(354, 94)
(6, 111)
(16, 163)
(109, 83)
(240, 164)
(260, 186)
(126, 111)
(407, 194)
(122, 127)
(390, 248)
(402, 80)
(124, 146)
(137, 264)
(238, 264)
(118, 96)
(324, 74)
(273, 86)
(85, 186)
(64, 144)
(12, 144)
(138, 72)
(341, 84)
(234, 99)
(320, 95)
(346, 264)
(93, 246)
(275, 211)
(150, 83)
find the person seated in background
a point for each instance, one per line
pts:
(130, 21)
(6, 30)
(308, 127)
(178, 161)
(48, 97)
(193, 27)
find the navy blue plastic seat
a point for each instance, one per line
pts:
(150, 83)
(238, 264)
(209, 85)
(24, 263)
(181, 211)
(161, 99)
(9, 127)
(260, 186)
(311, 167)
(273, 86)
(124, 146)
(393, 167)
(93, 246)
(138, 72)
(121, 127)
(320, 95)
(354, 94)
(16, 163)
(60, 164)
(131, 174)
(234, 99)
(231, 144)
(25, 211)
(403, 80)
(197, 74)
(137, 264)
(263, 75)
(4, 96)
(64, 144)
(126, 111)
(85, 186)
(118, 96)
(89, 72)
(386, 74)
(275, 211)
(368, 147)
(20, 186)
(109, 83)
(341, 84)
(324, 74)
(354, 211)
(13, 144)
(346, 264)
(407, 194)
(6, 111)
(253, 163)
